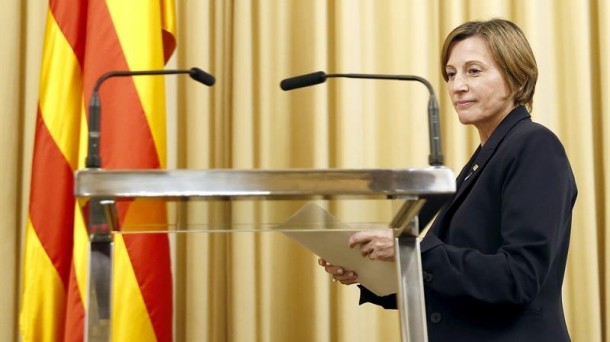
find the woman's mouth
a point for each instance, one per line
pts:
(463, 104)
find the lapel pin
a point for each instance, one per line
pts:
(474, 168)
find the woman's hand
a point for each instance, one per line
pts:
(338, 273)
(375, 244)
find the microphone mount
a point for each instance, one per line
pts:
(436, 157)
(93, 159)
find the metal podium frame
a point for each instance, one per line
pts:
(102, 188)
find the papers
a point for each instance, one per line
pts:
(319, 231)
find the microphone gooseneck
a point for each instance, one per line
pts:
(436, 157)
(93, 159)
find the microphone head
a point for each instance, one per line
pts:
(303, 80)
(202, 76)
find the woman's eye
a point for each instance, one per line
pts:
(474, 71)
(450, 74)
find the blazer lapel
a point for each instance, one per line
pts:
(469, 175)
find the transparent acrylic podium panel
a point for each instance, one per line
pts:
(252, 215)
(288, 201)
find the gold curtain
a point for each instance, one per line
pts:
(262, 286)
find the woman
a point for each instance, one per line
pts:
(495, 256)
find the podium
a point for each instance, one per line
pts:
(102, 189)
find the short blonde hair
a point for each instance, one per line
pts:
(510, 50)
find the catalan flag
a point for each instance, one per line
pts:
(83, 40)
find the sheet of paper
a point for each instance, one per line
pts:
(323, 234)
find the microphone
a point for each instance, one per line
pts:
(436, 156)
(93, 159)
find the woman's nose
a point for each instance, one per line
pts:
(458, 84)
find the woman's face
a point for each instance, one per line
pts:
(477, 88)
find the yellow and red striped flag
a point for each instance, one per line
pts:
(83, 40)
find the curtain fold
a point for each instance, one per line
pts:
(11, 147)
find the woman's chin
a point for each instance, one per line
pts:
(465, 120)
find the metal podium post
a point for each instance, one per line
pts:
(102, 188)
(99, 277)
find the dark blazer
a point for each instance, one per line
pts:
(494, 259)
